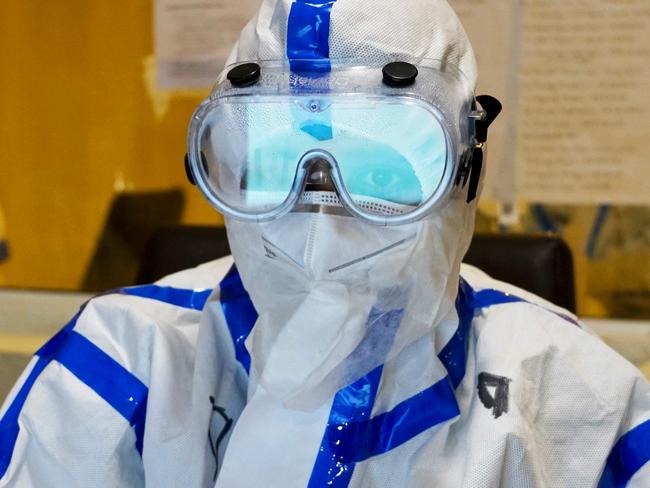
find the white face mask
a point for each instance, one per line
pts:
(337, 297)
(327, 247)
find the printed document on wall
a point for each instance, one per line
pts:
(584, 115)
(193, 39)
(574, 78)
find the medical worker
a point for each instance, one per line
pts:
(346, 346)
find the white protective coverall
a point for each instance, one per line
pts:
(402, 369)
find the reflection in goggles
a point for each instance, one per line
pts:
(369, 168)
(392, 152)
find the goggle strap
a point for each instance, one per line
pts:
(472, 165)
(492, 108)
(475, 172)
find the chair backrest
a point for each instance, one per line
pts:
(538, 263)
(132, 219)
(172, 249)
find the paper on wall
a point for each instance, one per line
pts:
(193, 39)
(574, 78)
(584, 114)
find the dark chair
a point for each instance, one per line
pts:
(172, 249)
(132, 219)
(540, 264)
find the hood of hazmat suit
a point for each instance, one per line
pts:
(316, 278)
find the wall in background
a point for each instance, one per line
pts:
(79, 123)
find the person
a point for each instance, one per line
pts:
(347, 346)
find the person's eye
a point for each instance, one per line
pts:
(382, 178)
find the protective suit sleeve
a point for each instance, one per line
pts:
(628, 463)
(75, 416)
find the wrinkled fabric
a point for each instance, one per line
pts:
(334, 354)
(315, 278)
(320, 324)
(577, 413)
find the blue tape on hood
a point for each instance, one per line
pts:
(308, 31)
(308, 50)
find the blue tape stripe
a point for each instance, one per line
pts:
(9, 427)
(239, 312)
(408, 419)
(454, 355)
(488, 298)
(106, 377)
(9, 423)
(101, 373)
(186, 298)
(351, 405)
(308, 30)
(630, 453)
(116, 385)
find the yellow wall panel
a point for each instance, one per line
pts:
(77, 125)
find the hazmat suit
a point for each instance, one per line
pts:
(339, 349)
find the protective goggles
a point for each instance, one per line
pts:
(385, 143)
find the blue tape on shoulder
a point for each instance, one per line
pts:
(489, 297)
(181, 297)
(9, 423)
(106, 377)
(630, 453)
(9, 427)
(239, 312)
(92, 366)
